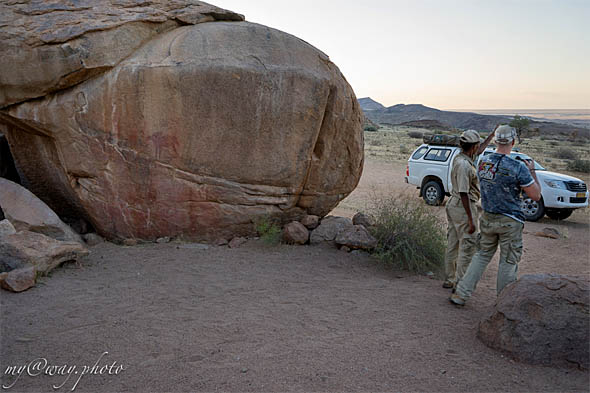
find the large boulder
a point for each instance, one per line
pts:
(542, 319)
(28, 213)
(186, 130)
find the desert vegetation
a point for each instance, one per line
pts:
(410, 235)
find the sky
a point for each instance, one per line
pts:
(447, 54)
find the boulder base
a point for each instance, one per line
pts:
(542, 319)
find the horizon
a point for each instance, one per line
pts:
(446, 55)
(481, 109)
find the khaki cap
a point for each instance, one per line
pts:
(470, 136)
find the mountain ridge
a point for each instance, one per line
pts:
(405, 113)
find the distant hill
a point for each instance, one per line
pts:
(368, 104)
(408, 114)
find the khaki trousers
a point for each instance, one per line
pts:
(461, 246)
(495, 229)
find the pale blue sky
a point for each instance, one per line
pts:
(468, 54)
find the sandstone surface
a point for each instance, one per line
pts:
(166, 126)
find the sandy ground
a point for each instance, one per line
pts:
(272, 318)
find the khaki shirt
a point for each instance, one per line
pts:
(464, 178)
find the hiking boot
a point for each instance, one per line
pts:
(448, 284)
(457, 300)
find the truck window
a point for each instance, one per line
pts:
(438, 155)
(419, 153)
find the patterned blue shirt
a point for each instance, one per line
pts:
(501, 179)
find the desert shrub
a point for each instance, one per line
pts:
(579, 166)
(268, 230)
(371, 128)
(375, 142)
(553, 143)
(566, 154)
(409, 235)
(415, 134)
(403, 149)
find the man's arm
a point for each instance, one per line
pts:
(467, 207)
(533, 191)
(485, 143)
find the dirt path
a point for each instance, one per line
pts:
(282, 318)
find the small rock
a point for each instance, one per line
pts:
(244, 370)
(18, 280)
(164, 239)
(295, 233)
(329, 228)
(551, 233)
(345, 249)
(358, 252)
(237, 242)
(429, 274)
(357, 237)
(362, 219)
(6, 228)
(130, 242)
(310, 221)
(221, 242)
(92, 239)
(24, 249)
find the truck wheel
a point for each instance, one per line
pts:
(559, 214)
(432, 192)
(533, 210)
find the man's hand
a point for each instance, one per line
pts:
(530, 164)
(471, 227)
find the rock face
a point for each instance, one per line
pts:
(28, 213)
(183, 128)
(542, 319)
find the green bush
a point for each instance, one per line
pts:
(409, 235)
(579, 166)
(370, 128)
(269, 231)
(566, 154)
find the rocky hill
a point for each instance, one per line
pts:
(368, 104)
(400, 114)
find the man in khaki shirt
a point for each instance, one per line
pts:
(462, 208)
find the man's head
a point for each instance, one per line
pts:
(505, 135)
(469, 142)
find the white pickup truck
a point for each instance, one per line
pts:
(429, 170)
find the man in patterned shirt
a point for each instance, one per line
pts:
(501, 179)
(461, 208)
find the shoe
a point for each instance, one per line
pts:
(448, 284)
(457, 300)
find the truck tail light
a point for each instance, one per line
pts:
(408, 170)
